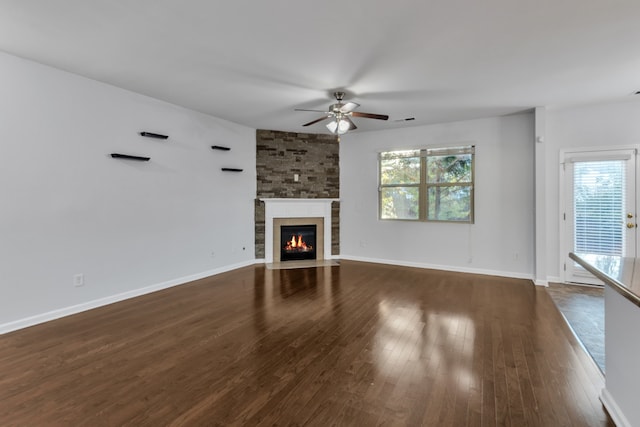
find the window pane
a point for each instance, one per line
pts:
(399, 203)
(449, 203)
(449, 169)
(400, 170)
(599, 207)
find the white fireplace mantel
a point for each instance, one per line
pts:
(296, 208)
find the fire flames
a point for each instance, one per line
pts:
(296, 244)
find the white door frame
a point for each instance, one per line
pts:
(566, 247)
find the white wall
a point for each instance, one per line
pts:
(500, 242)
(66, 207)
(622, 350)
(601, 125)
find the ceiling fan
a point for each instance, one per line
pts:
(341, 114)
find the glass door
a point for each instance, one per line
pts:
(600, 208)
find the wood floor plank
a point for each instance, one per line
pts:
(354, 344)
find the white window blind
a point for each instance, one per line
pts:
(599, 207)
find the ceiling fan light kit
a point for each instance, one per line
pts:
(339, 126)
(341, 114)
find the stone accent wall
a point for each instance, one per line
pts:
(314, 157)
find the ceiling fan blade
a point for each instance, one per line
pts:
(370, 115)
(352, 126)
(349, 106)
(317, 111)
(317, 120)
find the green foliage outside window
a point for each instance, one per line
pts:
(400, 171)
(428, 185)
(400, 203)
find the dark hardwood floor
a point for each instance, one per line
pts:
(356, 344)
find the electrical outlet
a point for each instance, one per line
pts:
(78, 280)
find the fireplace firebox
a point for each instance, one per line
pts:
(298, 242)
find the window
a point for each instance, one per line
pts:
(434, 184)
(598, 206)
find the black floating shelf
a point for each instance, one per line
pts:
(128, 157)
(220, 147)
(231, 170)
(154, 135)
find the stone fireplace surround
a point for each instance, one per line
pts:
(291, 165)
(295, 212)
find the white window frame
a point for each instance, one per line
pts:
(423, 186)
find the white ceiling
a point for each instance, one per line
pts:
(253, 62)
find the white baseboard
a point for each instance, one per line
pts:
(441, 267)
(78, 308)
(74, 309)
(613, 409)
(544, 283)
